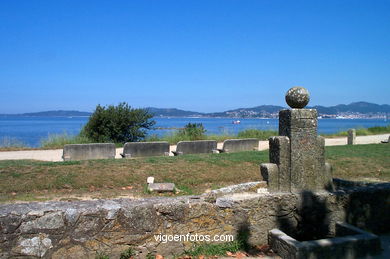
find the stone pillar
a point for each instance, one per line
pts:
(307, 149)
(351, 137)
(298, 152)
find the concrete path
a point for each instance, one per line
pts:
(56, 154)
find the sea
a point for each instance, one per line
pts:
(30, 131)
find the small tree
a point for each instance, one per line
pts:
(118, 124)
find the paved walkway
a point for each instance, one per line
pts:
(56, 154)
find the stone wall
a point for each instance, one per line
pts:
(80, 229)
(145, 149)
(195, 147)
(238, 145)
(88, 151)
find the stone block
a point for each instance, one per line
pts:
(145, 149)
(328, 177)
(298, 123)
(161, 187)
(351, 137)
(195, 147)
(89, 151)
(279, 153)
(348, 242)
(388, 141)
(307, 152)
(237, 145)
(270, 174)
(36, 246)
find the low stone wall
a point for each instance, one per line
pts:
(237, 145)
(82, 228)
(88, 151)
(145, 149)
(195, 147)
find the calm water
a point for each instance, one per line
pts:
(31, 130)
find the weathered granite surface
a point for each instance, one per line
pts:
(351, 137)
(349, 243)
(161, 187)
(145, 149)
(80, 229)
(88, 151)
(237, 145)
(297, 97)
(195, 147)
(298, 153)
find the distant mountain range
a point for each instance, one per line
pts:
(59, 113)
(353, 110)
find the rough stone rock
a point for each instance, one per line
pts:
(50, 221)
(112, 209)
(35, 246)
(71, 215)
(87, 226)
(297, 97)
(139, 220)
(9, 224)
(74, 252)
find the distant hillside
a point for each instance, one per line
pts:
(362, 109)
(263, 111)
(356, 109)
(59, 113)
(173, 112)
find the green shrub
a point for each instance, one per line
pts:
(192, 131)
(127, 254)
(118, 124)
(101, 255)
(362, 131)
(214, 249)
(379, 130)
(255, 133)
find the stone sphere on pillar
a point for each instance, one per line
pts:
(297, 97)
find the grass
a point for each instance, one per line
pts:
(173, 138)
(363, 131)
(9, 143)
(29, 180)
(215, 249)
(127, 254)
(59, 140)
(360, 162)
(259, 134)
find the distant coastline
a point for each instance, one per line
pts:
(357, 110)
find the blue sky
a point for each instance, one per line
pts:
(194, 55)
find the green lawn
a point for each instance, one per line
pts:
(193, 174)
